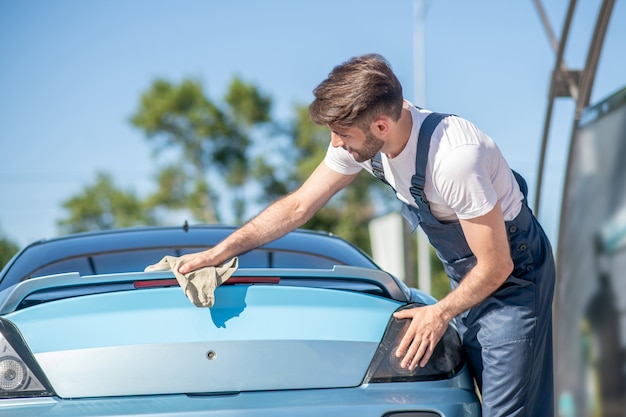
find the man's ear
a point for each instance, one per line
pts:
(380, 126)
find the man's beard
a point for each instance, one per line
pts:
(371, 147)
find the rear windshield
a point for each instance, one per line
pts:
(137, 260)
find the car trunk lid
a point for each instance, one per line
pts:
(154, 341)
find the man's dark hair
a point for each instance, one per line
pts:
(356, 92)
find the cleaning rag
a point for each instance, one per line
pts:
(198, 285)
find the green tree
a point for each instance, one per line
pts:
(213, 142)
(7, 250)
(103, 206)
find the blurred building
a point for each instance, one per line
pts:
(590, 301)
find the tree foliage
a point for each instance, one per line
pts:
(7, 250)
(102, 206)
(212, 142)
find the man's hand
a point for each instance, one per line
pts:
(190, 262)
(426, 329)
(193, 261)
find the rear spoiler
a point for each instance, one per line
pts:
(11, 298)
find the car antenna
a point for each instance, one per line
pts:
(186, 226)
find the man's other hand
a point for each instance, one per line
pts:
(418, 343)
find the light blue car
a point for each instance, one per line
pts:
(279, 341)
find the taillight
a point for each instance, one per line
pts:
(446, 360)
(20, 375)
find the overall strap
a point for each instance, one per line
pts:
(421, 158)
(377, 168)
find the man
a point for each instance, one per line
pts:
(455, 183)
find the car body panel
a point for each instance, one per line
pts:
(438, 399)
(309, 337)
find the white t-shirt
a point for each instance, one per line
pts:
(466, 173)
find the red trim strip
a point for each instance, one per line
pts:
(156, 283)
(231, 281)
(252, 280)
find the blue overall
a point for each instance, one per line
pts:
(507, 337)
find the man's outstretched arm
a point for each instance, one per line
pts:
(279, 218)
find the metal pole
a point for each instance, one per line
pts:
(558, 69)
(419, 72)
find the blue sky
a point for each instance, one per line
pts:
(72, 73)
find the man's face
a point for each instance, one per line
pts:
(361, 145)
